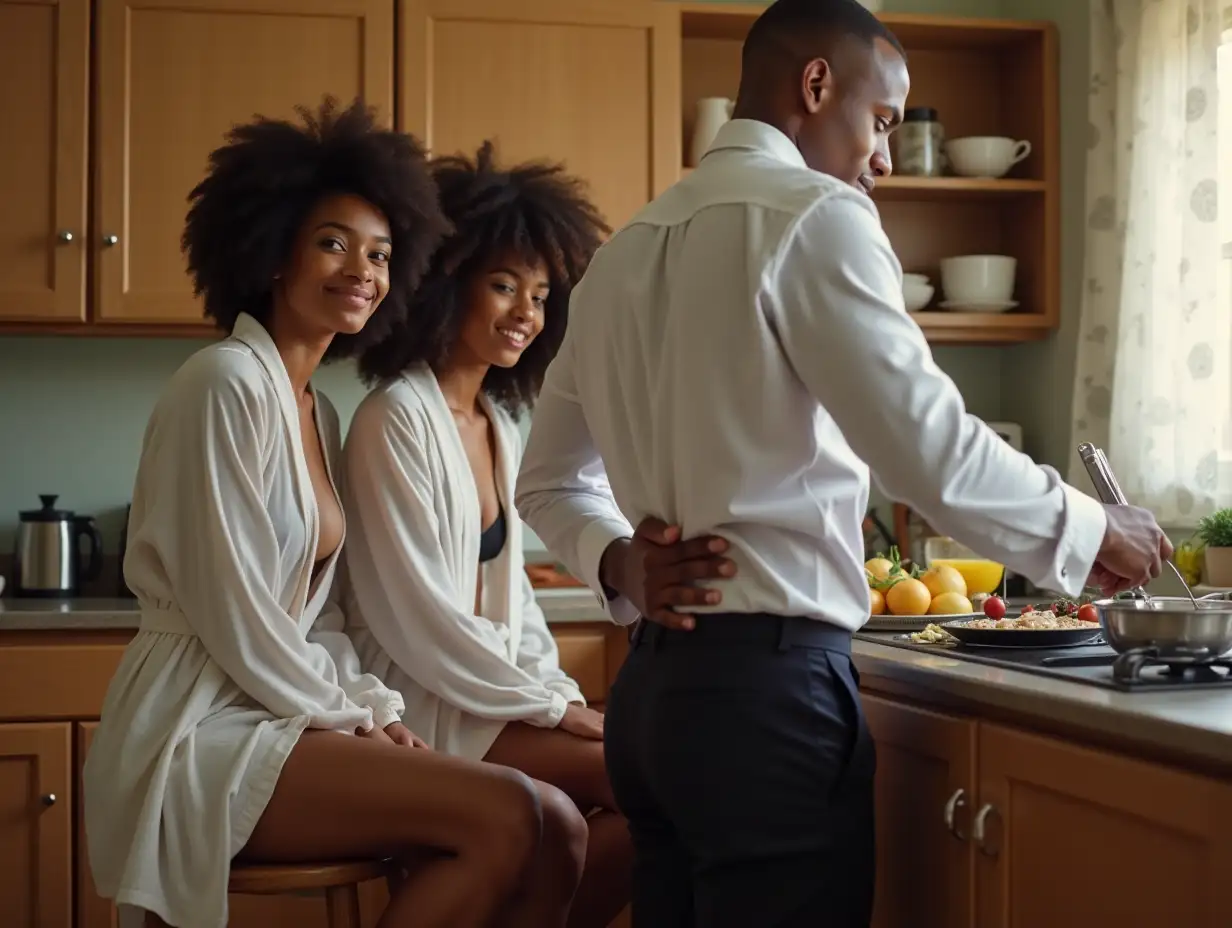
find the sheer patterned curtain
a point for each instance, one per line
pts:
(1154, 368)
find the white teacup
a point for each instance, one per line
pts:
(916, 295)
(985, 155)
(978, 279)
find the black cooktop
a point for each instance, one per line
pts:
(1094, 663)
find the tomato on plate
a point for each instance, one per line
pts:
(1088, 613)
(994, 607)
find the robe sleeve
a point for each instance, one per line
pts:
(537, 651)
(400, 580)
(219, 547)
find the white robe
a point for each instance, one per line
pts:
(412, 564)
(239, 649)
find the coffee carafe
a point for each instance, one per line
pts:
(48, 560)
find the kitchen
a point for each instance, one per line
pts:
(110, 319)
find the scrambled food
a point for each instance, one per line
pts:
(932, 634)
(1029, 621)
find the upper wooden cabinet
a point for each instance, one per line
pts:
(44, 69)
(591, 83)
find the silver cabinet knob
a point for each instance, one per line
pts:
(110, 240)
(49, 799)
(980, 831)
(952, 805)
(65, 237)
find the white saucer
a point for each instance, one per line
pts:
(1000, 306)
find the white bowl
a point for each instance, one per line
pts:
(918, 278)
(981, 279)
(985, 155)
(916, 295)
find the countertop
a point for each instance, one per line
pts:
(1194, 725)
(560, 607)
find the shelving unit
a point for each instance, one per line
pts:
(984, 77)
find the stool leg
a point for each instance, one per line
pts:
(342, 906)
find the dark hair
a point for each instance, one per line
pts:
(783, 22)
(535, 210)
(261, 186)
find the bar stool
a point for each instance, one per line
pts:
(338, 880)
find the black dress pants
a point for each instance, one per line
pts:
(741, 757)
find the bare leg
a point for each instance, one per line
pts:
(553, 880)
(344, 797)
(576, 766)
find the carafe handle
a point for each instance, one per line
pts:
(85, 525)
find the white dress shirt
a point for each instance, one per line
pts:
(735, 355)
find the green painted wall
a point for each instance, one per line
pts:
(72, 410)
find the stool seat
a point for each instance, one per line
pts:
(272, 879)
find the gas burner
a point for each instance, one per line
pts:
(1144, 666)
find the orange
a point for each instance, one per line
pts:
(876, 603)
(908, 597)
(951, 604)
(942, 578)
(879, 568)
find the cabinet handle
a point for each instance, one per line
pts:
(64, 237)
(980, 830)
(49, 799)
(952, 805)
(111, 240)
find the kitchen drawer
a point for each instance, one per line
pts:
(55, 681)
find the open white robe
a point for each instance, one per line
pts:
(412, 565)
(239, 649)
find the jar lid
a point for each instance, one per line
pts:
(49, 512)
(920, 114)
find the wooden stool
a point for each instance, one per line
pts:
(338, 879)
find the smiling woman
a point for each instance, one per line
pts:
(439, 600)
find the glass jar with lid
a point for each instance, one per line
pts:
(920, 144)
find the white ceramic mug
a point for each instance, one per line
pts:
(975, 279)
(985, 155)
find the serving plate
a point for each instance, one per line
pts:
(1019, 638)
(913, 623)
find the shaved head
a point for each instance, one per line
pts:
(833, 78)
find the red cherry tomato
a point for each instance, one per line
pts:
(1088, 613)
(1026, 609)
(994, 607)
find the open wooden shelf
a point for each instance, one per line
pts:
(984, 77)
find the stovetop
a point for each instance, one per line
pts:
(1093, 663)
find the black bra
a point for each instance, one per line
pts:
(493, 538)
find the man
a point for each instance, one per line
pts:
(734, 357)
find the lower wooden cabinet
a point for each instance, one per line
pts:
(984, 826)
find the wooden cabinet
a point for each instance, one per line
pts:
(170, 78)
(44, 94)
(36, 807)
(591, 83)
(985, 826)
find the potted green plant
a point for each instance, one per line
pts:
(1215, 531)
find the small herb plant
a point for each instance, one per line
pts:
(1215, 530)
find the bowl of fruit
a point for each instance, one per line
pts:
(903, 595)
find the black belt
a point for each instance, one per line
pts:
(781, 631)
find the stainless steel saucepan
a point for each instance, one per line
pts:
(1177, 629)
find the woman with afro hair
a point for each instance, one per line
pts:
(239, 722)
(438, 601)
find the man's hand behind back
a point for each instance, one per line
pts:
(1133, 552)
(658, 572)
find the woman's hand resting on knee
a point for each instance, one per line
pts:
(583, 722)
(394, 733)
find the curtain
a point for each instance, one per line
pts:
(1154, 367)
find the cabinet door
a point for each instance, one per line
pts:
(592, 83)
(44, 68)
(924, 795)
(1081, 837)
(36, 866)
(172, 77)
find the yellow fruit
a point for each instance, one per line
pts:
(943, 578)
(951, 604)
(879, 568)
(908, 597)
(876, 603)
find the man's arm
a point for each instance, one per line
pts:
(563, 494)
(836, 303)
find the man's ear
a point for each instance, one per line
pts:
(817, 84)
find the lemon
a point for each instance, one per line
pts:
(876, 603)
(951, 603)
(908, 597)
(879, 568)
(942, 578)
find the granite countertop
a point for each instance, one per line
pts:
(560, 606)
(1196, 724)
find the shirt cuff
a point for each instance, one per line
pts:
(386, 715)
(594, 541)
(568, 689)
(1086, 523)
(556, 711)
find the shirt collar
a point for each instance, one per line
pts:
(750, 134)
